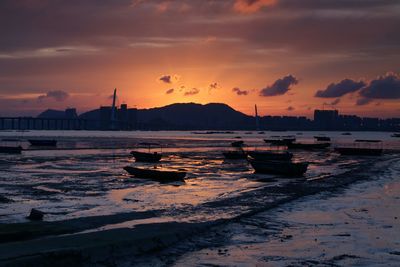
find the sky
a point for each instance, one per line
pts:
(287, 56)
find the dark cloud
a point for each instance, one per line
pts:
(280, 86)
(384, 87)
(193, 91)
(290, 108)
(213, 86)
(57, 95)
(238, 91)
(169, 91)
(167, 78)
(363, 101)
(342, 88)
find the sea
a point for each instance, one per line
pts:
(352, 224)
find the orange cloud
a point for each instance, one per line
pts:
(251, 6)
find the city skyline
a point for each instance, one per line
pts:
(286, 57)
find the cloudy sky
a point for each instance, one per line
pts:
(287, 56)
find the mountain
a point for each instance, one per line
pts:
(192, 116)
(52, 114)
(183, 116)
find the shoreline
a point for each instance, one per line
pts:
(96, 247)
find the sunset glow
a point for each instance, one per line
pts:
(208, 48)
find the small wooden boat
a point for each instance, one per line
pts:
(146, 157)
(358, 151)
(234, 154)
(286, 168)
(237, 144)
(156, 174)
(42, 142)
(322, 138)
(11, 149)
(270, 155)
(314, 146)
(362, 147)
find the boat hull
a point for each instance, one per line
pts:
(234, 155)
(308, 146)
(10, 149)
(359, 151)
(158, 175)
(146, 157)
(279, 167)
(42, 142)
(266, 155)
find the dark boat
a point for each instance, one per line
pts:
(237, 144)
(42, 142)
(322, 138)
(314, 146)
(234, 154)
(270, 155)
(10, 140)
(359, 151)
(286, 168)
(395, 135)
(279, 142)
(11, 149)
(374, 148)
(146, 157)
(156, 174)
(346, 133)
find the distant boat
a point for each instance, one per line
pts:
(156, 174)
(237, 144)
(312, 146)
(362, 147)
(346, 133)
(42, 142)
(10, 140)
(395, 135)
(235, 154)
(286, 168)
(322, 138)
(147, 156)
(270, 155)
(280, 142)
(262, 132)
(11, 149)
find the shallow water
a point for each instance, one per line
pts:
(79, 179)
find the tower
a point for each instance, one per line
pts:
(257, 120)
(113, 111)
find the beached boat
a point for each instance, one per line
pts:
(156, 174)
(11, 149)
(312, 146)
(358, 151)
(286, 168)
(146, 157)
(42, 142)
(234, 154)
(362, 147)
(270, 155)
(237, 144)
(322, 138)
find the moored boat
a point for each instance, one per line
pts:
(286, 168)
(362, 147)
(395, 135)
(312, 146)
(234, 154)
(146, 157)
(11, 149)
(42, 142)
(270, 155)
(322, 138)
(156, 174)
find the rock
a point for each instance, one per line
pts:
(36, 215)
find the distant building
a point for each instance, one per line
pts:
(326, 119)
